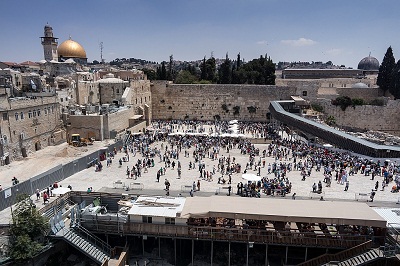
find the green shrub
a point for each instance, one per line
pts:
(378, 102)
(317, 107)
(357, 101)
(343, 102)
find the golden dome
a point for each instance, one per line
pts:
(71, 49)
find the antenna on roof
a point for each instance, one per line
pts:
(101, 52)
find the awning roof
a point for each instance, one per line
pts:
(305, 211)
(392, 215)
(157, 206)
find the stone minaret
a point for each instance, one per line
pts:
(49, 44)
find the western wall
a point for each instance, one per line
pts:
(206, 102)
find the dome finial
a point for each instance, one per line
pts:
(369, 54)
(70, 37)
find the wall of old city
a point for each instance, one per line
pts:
(366, 117)
(205, 102)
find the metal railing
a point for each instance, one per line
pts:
(222, 234)
(340, 256)
(96, 241)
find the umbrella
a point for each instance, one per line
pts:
(327, 145)
(233, 122)
(251, 177)
(60, 190)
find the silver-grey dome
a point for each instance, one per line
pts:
(369, 63)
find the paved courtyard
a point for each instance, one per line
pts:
(106, 179)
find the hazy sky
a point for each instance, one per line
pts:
(343, 31)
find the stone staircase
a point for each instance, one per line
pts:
(361, 259)
(80, 241)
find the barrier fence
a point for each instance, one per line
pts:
(56, 174)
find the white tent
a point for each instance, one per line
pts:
(60, 190)
(251, 177)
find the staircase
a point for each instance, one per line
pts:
(361, 259)
(87, 243)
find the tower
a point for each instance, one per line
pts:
(49, 44)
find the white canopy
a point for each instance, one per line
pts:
(251, 177)
(60, 190)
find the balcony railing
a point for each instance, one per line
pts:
(226, 234)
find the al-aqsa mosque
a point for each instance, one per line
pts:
(68, 51)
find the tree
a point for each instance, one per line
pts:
(163, 75)
(385, 75)
(150, 73)
(395, 88)
(28, 229)
(185, 77)
(171, 71)
(208, 69)
(203, 69)
(225, 72)
(238, 62)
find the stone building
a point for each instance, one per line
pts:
(107, 124)
(28, 124)
(111, 89)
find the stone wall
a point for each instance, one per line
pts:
(28, 124)
(87, 126)
(142, 96)
(366, 117)
(205, 102)
(367, 94)
(117, 121)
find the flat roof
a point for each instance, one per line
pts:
(391, 215)
(157, 206)
(305, 211)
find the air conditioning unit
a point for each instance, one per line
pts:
(22, 136)
(124, 197)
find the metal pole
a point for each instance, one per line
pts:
(266, 255)
(192, 251)
(305, 257)
(159, 247)
(212, 247)
(247, 254)
(287, 248)
(175, 249)
(143, 246)
(229, 253)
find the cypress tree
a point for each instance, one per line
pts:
(385, 76)
(395, 88)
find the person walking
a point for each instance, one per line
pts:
(37, 194)
(347, 185)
